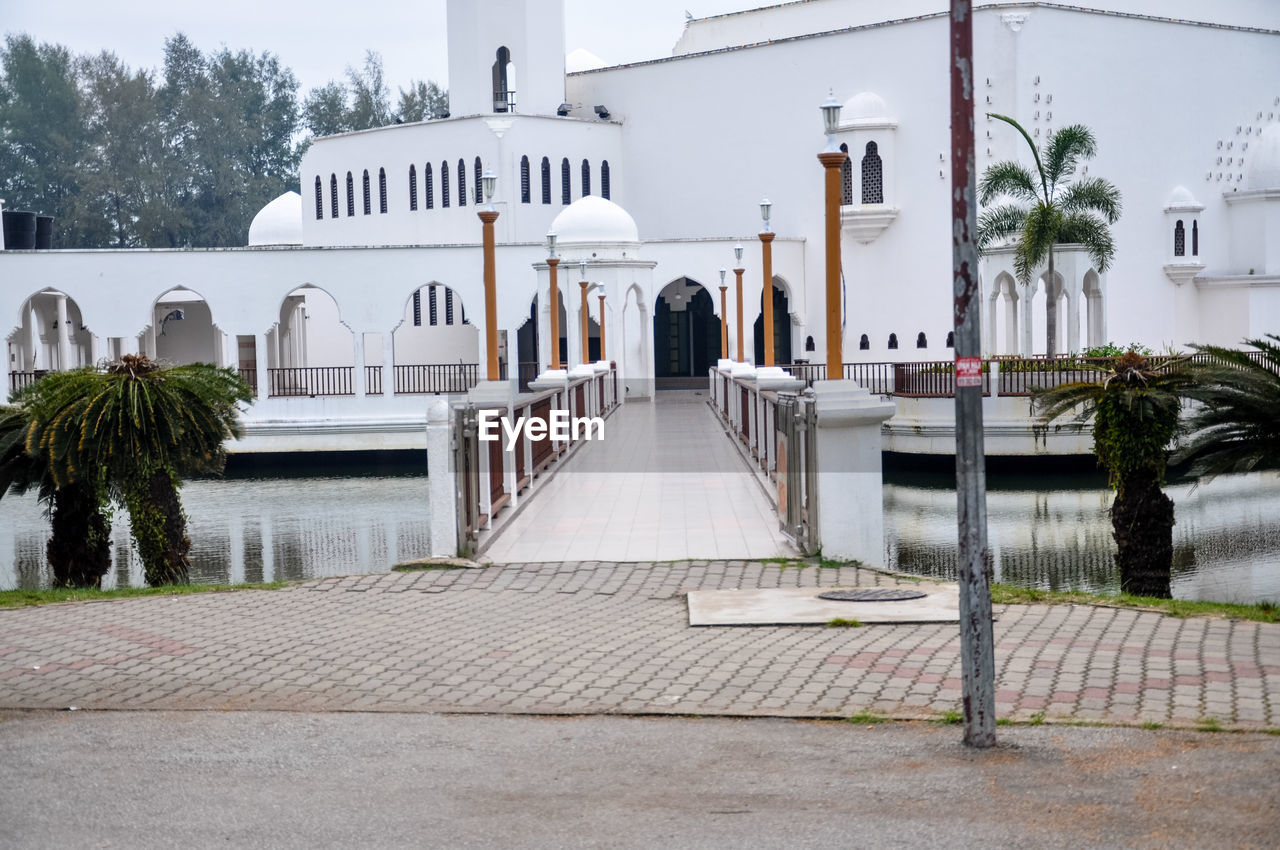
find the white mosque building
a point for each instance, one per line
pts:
(363, 291)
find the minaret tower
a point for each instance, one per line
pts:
(506, 56)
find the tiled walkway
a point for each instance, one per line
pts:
(587, 638)
(664, 484)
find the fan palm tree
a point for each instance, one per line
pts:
(1048, 209)
(139, 427)
(1237, 425)
(1134, 407)
(79, 549)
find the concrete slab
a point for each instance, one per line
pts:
(802, 607)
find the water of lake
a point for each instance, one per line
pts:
(1048, 532)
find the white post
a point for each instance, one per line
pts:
(64, 339)
(442, 484)
(850, 515)
(261, 341)
(358, 379)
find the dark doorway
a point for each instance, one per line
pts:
(781, 329)
(686, 332)
(527, 347)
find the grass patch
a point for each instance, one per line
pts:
(951, 717)
(1152, 725)
(1037, 719)
(842, 623)
(1263, 612)
(830, 564)
(1004, 721)
(28, 598)
(1209, 724)
(868, 718)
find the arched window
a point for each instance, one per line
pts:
(448, 306)
(351, 195)
(1195, 237)
(951, 339)
(413, 188)
(921, 340)
(417, 308)
(809, 344)
(604, 179)
(504, 98)
(319, 199)
(893, 340)
(872, 176)
(526, 191)
(368, 198)
(864, 343)
(333, 194)
(479, 181)
(432, 310)
(586, 178)
(1179, 240)
(546, 180)
(462, 183)
(565, 188)
(428, 190)
(846, 177)
(444, 184)
(382, 190)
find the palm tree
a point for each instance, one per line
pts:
(1237, 424)
(1047, 209)
(79, 549)
(1134, 407)
(139, 427)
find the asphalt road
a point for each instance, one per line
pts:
(284, 780)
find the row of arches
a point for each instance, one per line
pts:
(922, 341)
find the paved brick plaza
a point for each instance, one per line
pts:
(594, 638)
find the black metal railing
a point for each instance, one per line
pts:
(436, 378)
(310, 381)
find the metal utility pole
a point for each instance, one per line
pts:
(977, 650)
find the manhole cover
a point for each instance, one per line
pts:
(872, 594)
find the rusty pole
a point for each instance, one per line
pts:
(488, 217)
(977, 653)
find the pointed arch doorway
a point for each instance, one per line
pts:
(686, 335)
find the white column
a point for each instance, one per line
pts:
(388, 363)
(442, 483)
(357, 380)
(850, 509)
(260, 342)
(1025, 318)
(63, 338)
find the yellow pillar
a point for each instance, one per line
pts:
(490, 295)
(831, 164)
(738, 274)
(603, 356)
(585, 317)
(555, 314)
(766, 250)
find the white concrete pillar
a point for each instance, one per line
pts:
(850, 509)
(388, 363)
(64, 336)
(1025, 319)
(442, 482)
(260, 343)
(358, 379)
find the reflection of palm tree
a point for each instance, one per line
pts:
(1047, 210)
(1237, 425)
(138, 427)
(1134, 407)
(79, 549)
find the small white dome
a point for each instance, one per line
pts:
(278, 223)
(1263, 171)
(864, 106)
(1182, 199)
(595, 221)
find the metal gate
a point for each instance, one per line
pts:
(466, 465)
(797, 471)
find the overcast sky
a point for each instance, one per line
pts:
(318, 39)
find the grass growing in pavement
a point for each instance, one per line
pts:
(1263, 612)
(1209, 724)
(842, 623)
(27, 598)
(951, 717)
(868, 717)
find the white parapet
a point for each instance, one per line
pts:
(776, 379)
(551, 379)
(442, 501)
(850, 515)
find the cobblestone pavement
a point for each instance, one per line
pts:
(613, 638)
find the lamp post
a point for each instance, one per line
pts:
(582, 267)
(737, 272)
(724, 317)
(766, 295)
(552, 262)
(603, 356)
(832, 160)
(489, 215)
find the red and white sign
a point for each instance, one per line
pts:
(968, 371)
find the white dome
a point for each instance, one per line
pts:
(278, 223)
(594, 221)
(865, 106)
(1263, 171)
(1182, 199)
